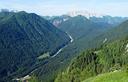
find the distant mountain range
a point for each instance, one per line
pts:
(106, 19)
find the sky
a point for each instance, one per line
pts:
(59, 7)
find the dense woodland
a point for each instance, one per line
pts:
(108, 58)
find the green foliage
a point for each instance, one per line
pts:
(119, 76)
(108, 58)
(34, 79)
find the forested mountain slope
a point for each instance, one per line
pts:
(23, 38)
(110, 57)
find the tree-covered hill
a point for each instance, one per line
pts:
(23, 38)
(110, 57)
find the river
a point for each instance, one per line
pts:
(71, 40)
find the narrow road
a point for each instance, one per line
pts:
(70, 38)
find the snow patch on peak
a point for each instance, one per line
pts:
(84, 13)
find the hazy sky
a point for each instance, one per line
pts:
(58, 7)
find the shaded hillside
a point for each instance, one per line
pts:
(24, 37)
(115, 33)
